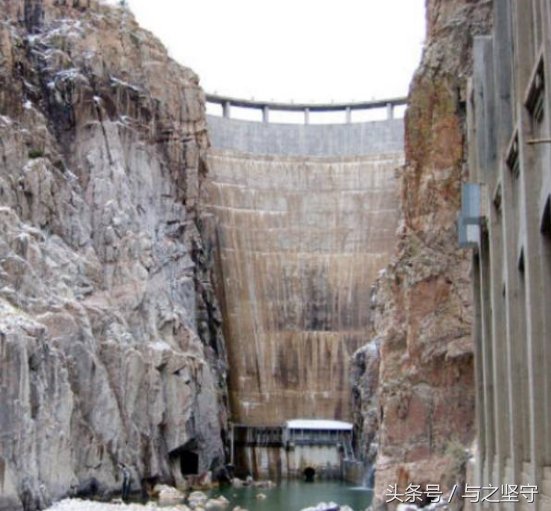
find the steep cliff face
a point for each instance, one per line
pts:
(422, 305)
(110, 348)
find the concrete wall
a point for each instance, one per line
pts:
(278, 462)
(353, 139)
(510, 154)
(300, 241)
(261, 462)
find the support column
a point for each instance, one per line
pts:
(525, 59)
(513, 333)
(479, 373)
(232, 444)
(390, 111)
(306, 116)
(532, 272)
(226, 107)
(503, 72)
(487, 359)
(348, 115)
(266, 114)
(546, 234)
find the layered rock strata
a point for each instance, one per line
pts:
(422, 412)
(110, 346)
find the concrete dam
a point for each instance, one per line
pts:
(305, 218)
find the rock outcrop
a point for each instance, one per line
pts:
(365, 404)
(422, 304)
(110, 347)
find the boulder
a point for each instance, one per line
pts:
(197, 499)
(323, 506)
(168, 494)
(237, 483)
(264, 484)
(217, 504)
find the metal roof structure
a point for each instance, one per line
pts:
(319, 424)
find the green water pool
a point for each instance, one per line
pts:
(295, 495)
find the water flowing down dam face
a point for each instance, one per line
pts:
(300, 240)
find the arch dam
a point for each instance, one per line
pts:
(305, 216)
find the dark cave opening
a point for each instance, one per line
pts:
(186, 458)
(189, 463)
(309, 474)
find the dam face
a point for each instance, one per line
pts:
(305, 219)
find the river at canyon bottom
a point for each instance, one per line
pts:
(296, 495)
(287, 496)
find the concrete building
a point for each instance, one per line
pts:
(305, 218)
(299, 448)
(506, 218)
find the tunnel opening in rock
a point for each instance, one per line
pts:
(189, 463)
(309, 474)
(186, 458)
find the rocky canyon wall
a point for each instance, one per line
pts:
(415, 382)
(110, 346)
(301, 238)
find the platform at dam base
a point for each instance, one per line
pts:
(299, 449)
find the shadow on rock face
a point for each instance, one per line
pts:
(88, 488)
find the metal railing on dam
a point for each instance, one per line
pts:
(336, 139)
(306, 108)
